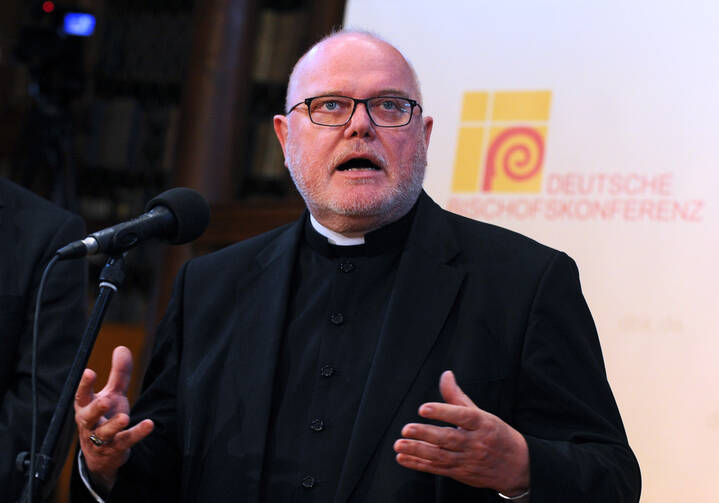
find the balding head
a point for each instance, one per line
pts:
(359, 40)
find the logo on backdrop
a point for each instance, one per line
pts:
(499, 171)
(501, 141)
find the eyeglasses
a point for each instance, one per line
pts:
(383, 111)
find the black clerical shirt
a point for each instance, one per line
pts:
(337, 307)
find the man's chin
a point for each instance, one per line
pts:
(358, 200)
(359, 207)
(385, 204)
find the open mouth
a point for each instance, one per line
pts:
(357, 164)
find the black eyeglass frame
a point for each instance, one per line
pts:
(308, 101)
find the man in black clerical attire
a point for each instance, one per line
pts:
(31, 230)
(303, 364)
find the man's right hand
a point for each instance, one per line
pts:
(102, 420)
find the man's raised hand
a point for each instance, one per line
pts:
(481, 450)
(102, 419)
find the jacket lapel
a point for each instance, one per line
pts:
(424, 292)
(263, 312)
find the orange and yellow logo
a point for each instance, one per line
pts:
(501, 141)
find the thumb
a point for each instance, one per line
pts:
(451, 392)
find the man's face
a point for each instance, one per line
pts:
(356, 177)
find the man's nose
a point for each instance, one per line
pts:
(360, 125)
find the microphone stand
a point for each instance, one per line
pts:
(111, 278)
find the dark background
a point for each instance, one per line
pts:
(164, 93)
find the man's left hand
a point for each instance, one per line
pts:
(481, 451)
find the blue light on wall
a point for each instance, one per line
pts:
(80, 24)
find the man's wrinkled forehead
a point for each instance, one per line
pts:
(346, 59)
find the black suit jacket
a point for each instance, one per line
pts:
(502, 311)
(31, 229)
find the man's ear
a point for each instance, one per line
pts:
(428, 123)
(280, 124)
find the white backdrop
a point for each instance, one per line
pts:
(623, 99)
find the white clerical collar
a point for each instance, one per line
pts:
(333, 237)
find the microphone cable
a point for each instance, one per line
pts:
(35, 336)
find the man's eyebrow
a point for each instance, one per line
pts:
(383, 92)
(331, 92)
(393, 92)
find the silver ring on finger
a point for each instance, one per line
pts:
(97, 440)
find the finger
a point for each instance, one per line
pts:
(89, 416)
(107, 431)
(445, 437)
(437, 456)
(451, 392)
(422, 465)
(469, 418)
(85, 393)
(121, 370)
(129, 437)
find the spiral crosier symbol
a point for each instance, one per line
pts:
(517, 153)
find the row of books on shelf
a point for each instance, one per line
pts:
(122, 135)
(267, 161)
(280, 36)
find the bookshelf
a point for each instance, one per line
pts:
(172, 92)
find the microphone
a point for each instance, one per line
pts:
(178, 215)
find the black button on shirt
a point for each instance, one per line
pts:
(317, 425)
(347, 267)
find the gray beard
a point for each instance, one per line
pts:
(388, 206)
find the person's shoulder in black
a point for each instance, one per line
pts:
(31, 230)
